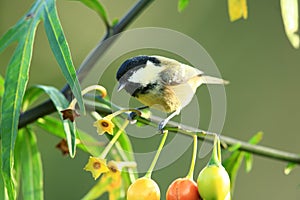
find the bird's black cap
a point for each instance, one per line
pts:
(135, 62)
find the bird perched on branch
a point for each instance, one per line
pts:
(162, 83)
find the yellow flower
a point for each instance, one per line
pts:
(104, 125)
(114, 174)
(96, 166)
(237, 9)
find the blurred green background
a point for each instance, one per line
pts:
(255, 55)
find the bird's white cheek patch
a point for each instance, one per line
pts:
(146, 74)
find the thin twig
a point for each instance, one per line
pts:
(243, 146)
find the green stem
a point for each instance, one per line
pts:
(216, 155)
(190, 175)
(219, 148)
(114, 139)
(161, 145)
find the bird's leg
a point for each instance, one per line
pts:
(132, 116)
(164, 122)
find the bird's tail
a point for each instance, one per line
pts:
(213, 80)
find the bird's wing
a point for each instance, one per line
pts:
(177, 73)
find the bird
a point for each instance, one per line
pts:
(162, 83)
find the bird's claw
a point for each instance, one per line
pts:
(162, 125)
(132, 117)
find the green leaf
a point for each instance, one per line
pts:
(13, 34)
(124, 141)
(16, 79)
(248, 162)
(60, 49)
(31, 165)
(290, 17)
(3, 193)
(233, 163)
(98, 8)
(115, 22)
(256, 138)
(182, 4)
(1, 86)
(234, 147)
(31, 95)
(17, 75)
(60, 103)
(290, 166)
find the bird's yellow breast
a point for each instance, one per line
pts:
(158, 99)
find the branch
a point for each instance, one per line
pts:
(243, 146)
(102, 107)
(47, 107)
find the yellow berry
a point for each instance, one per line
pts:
(143, 189)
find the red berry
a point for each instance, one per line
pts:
(183, 189)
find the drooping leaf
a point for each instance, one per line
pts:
(98, 8)
(290, 166)
(234, 147)
(248, 162)
(16, 79)
(31, 95)
(13, 34)
(237, 9)
(290, 17)
(3, 193)
(60, 103)
(60, 49)
(31, 175)
(233, 163)
(1, 86)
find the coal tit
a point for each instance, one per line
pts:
(162, 83)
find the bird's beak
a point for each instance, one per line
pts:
(121, 86)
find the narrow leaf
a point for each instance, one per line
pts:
(31, 95)
(60, 103)
(15, 84)
(3, 193)
(182, 4)
(31, 166)
(290, 166)
(233, 163)
(1, 86)
(234, 147)
(248, 162)
(256, 138)
(60, 48)
(237, 9)
(290, 17)
(98, 8)
(13, 34)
